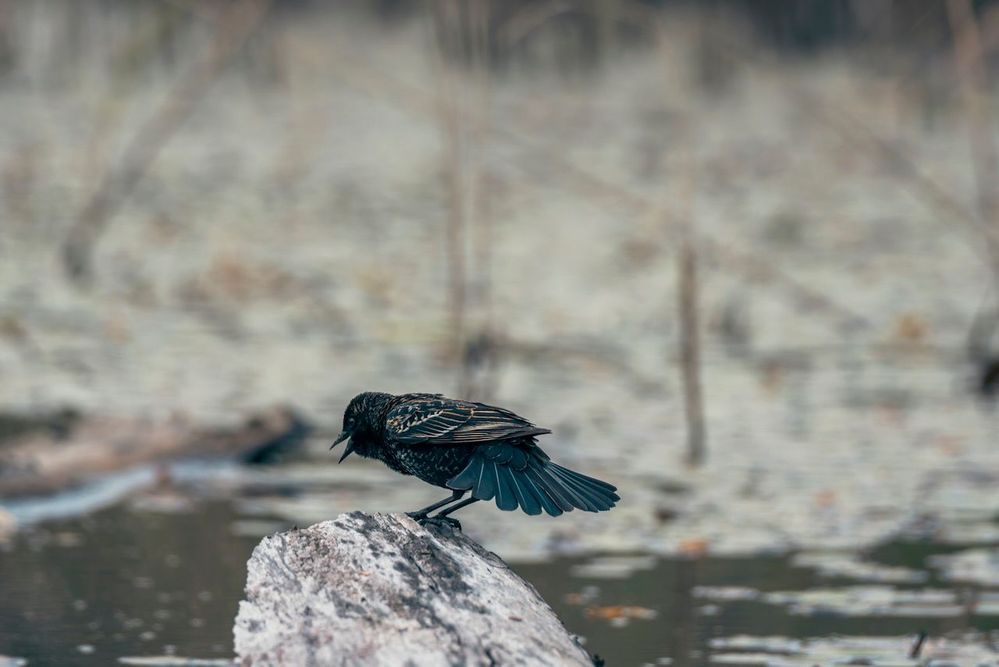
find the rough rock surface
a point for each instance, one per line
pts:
(378, 589)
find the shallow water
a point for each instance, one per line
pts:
(245, 273)
(138, 580)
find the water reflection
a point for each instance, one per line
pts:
(123, 583)
(130, 581)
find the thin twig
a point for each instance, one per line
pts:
(917, 646)
(919, 184)
(586, 183)
(482, 197)
(688, 311)
(451, 121)
(690, 353)
(237, 24)
(969, 59)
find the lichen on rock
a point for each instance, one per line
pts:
(379, 589)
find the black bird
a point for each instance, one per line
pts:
(467, 447)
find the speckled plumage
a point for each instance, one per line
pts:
(435, 464)
(468, 447)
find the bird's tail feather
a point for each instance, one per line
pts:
(520, 478)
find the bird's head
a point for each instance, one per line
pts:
(357, 421)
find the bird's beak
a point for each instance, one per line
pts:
(350, 445)
(347, 452)
(340, 438)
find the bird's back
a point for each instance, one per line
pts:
(487, 450)
(417, 419)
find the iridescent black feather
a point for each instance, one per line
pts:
(467, 446)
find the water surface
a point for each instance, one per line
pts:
(134, 581)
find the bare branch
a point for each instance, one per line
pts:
(235, 26)
(596, 187)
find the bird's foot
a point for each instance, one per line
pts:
(418, 517)
(440, 521)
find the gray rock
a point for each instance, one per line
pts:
(381, 590)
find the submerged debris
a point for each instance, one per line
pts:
(612, 567)
(870, 601)
(174, 661)
(621, 614)
(849, 566)
(974, 566)
(850, 650)
(726, 593)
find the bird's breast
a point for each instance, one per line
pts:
(435, 464)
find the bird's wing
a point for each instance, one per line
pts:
(433, 420)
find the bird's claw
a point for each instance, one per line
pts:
(440, 521)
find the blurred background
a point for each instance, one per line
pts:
(741, 257)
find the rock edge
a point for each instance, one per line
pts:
(379, 589)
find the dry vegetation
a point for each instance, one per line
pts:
(211, 207)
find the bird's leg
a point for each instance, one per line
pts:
(442, 516)
(457, 506)
(420, 515)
